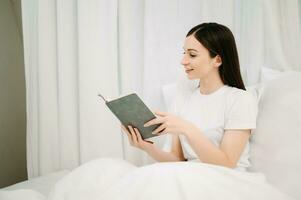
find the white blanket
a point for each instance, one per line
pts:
(112, 179)
(116, 179)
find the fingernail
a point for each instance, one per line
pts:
(153, 133)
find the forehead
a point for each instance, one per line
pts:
(192, 43)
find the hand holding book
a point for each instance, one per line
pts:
(171, 124)
(131, 111)
(135, 138)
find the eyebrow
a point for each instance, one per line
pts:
(190, 49)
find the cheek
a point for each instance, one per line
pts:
(202, 65)
(202, 71)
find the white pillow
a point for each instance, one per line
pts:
(268, 74)
(275, 144)
(175, 92)
(256, 90)
(169, 93)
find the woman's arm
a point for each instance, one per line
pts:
(228, 154)
(176, 153)
(156, 153)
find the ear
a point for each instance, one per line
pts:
(217, 61)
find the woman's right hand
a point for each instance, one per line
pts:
(135, 138)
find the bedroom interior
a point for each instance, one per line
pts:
(50, 116)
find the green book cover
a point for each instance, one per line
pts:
(131, 110)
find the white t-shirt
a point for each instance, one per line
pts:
(226, 108)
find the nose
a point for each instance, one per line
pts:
(184, 60)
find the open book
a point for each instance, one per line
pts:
(130, 110)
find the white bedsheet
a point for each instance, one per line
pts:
(21, 194)
(111, 179)
(36, 188)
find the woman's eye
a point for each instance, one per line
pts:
(191, 55)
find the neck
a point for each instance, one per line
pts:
(209, 85)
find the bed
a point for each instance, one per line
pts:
(275, 143)
(41, 184)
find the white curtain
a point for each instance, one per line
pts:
(70, 55)
(77, 48)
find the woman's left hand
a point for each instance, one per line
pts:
(169, 124)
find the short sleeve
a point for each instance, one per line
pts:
(241, 111)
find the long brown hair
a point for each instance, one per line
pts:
(219, 40)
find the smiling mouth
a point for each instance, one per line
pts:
(188, 70)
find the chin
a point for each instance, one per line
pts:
(192, 77)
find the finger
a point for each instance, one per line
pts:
(160, 129)
(124, 129)
(163, 131)
(133, 135)
(160, 113)
(158, 120)
(134, 142)
(139, 137)
(128, 135)
(130, 138)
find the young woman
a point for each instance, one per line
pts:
(215, 124)
(212, 126)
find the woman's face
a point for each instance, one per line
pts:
(196, 60)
